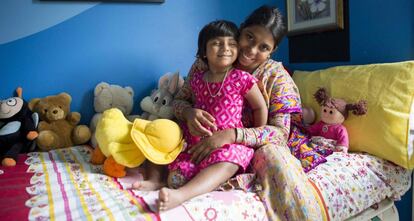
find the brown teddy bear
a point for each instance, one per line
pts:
(58, 126)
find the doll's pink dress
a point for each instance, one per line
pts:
(224, 100)
(335, 132)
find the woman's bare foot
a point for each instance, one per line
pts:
(148, 185)
(169, 199)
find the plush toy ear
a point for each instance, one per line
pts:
(66, 96)
(33, 103)
(174, 83)
(100, 87)
(153, 91)
(164, 81)
(19, 92)
(130, 91)
(180, 82)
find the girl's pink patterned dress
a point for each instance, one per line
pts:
(226, 107)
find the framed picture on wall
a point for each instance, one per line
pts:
(143, 1)
(306, 16)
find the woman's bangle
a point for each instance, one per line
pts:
(239, 135)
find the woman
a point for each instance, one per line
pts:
(287, 193)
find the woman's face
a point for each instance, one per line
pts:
(255, 46)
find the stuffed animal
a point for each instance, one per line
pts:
(334, 112)
(58, 127)
(107, 96)
(126, 144)
(159, 104)
(17, 128)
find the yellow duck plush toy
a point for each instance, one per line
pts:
(126, 144)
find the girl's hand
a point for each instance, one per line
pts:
(198, 121)
(207, 145)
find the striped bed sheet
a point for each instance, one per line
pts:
(65, 186)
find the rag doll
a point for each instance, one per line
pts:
(334, 111)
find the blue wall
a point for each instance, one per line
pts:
(77, 45)
(49, 47)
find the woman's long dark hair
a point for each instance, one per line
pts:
(270, 18)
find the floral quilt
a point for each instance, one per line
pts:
(350, 183)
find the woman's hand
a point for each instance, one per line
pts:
(208, 144)
(199, 121)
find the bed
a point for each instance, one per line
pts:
(63, 185)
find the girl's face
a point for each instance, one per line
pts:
(221, 52)
(255, 46)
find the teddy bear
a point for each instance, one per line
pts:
(107, 96)
(159, 103)
(17, 128)
(58, 127)
(334, 111)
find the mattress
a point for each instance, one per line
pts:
(351, 183)
(62, 185)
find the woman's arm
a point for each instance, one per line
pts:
(276, 132)
(258, 106)
(183, 98)
(253, 137)
(283, 100)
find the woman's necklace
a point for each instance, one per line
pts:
(221, 86)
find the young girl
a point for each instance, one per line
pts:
(220, 92)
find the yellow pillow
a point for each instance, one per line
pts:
(388, 89)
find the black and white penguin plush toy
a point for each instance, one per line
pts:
(17, 128)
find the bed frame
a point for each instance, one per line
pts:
(386, 211)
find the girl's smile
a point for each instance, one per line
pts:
(221, 52)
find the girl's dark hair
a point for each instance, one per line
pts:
(220, 28)
(270, 18)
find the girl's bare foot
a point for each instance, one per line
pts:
(148, 185)
(169, 199)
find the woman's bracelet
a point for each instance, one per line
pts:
(239, 135)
